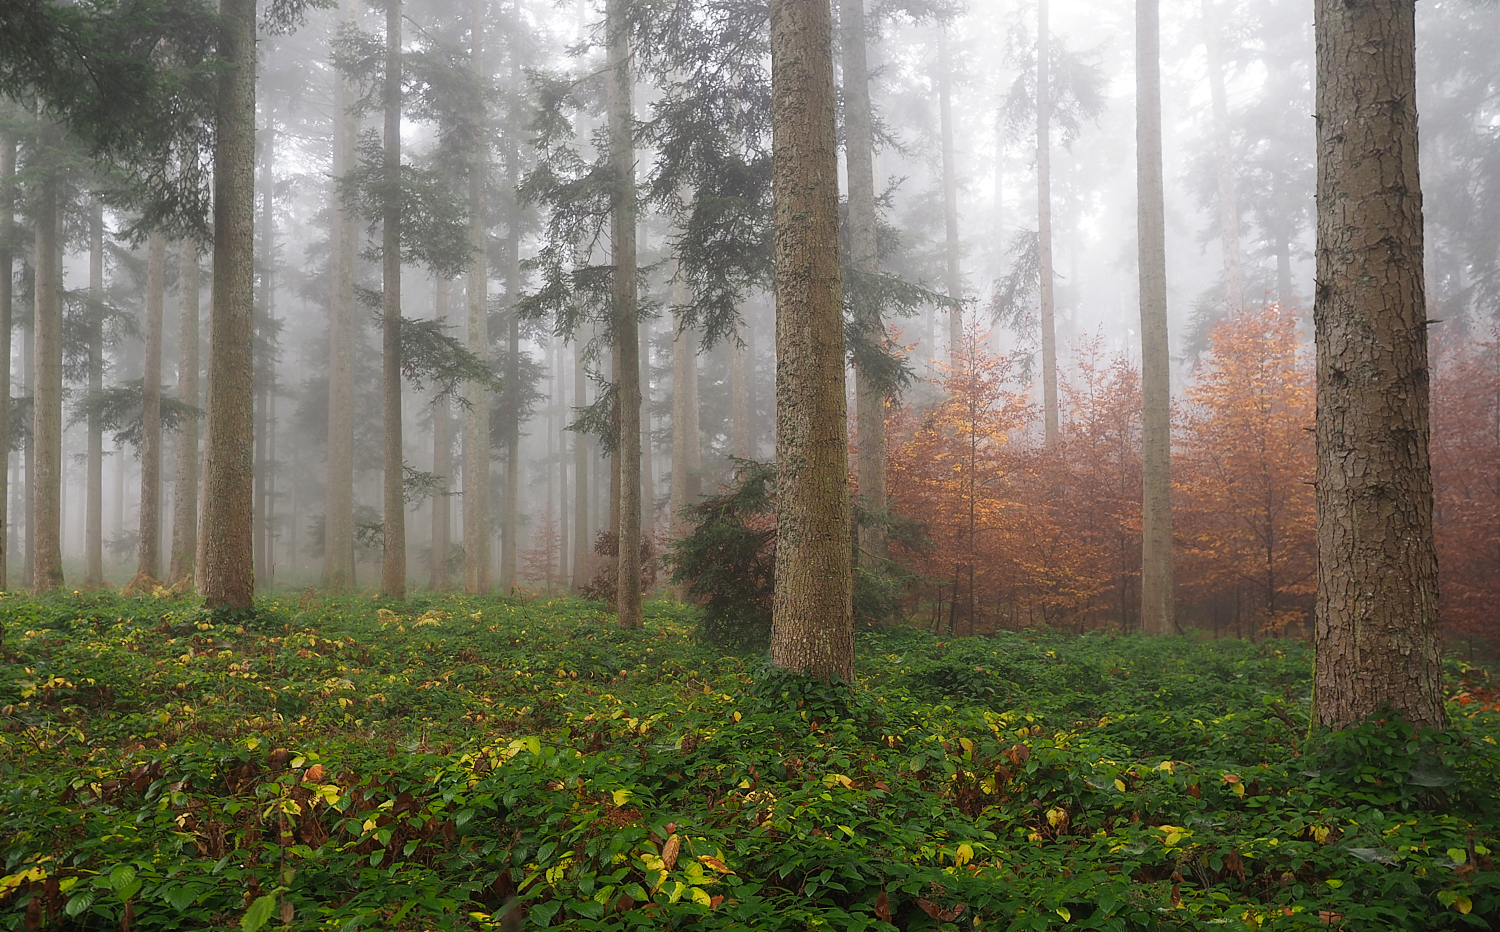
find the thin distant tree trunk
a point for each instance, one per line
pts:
(739, 398)
(954, 276)
(1157, 615)
(7, 282)
(1377, 598)
(393, 559)
(648, 470)
(148, 545)
(582, 543)
(265, 376)
(338, 503)
(625, 329)
(476, 466)
(859, 161)
(46, 528)
(560, 406)
(442, 462)
(510, 531)
(1050, 417)
(28, 454)
(1229, 212)
(93, 521)
(812, 627)
(185, 501)
(226, 562)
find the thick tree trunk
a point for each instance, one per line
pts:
(859, 162)
(46, 509)
(1156, 365)
(338, 501)
(582, 462)
(476, 466)
(185, 496)
(442, 462)
(226, 563)
(812, 628)
(1229, 212)
(7, 269)
(1377, 602)
(148, 545)
(393, 558)
(624, 329)
(1050, 419)
(954, 277)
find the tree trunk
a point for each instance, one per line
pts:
(1156, 365)
(265, 376)
(338, 502)
(582, 543)
(476, 466)
(148, 544)
(393, 557)
(859, 162)
(226, 563)
(624, 329)
(1229, 212)
(955, 281)
(46, 509)
(442, 462)
(648, 471)
(812, 627)
(1044, 223)
(93, 521)
(28, 454)
(739, 397)
(7, 282)
(185, 500)
(560, 428)
(510, 531)
(1377, 602)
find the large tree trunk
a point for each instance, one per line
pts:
(1156, 365)
(859, 162)
(7, 282)
(954, 277)
(812, 627)
(148, 545)
(624, 328)
(393, 559)
(338, 502)
(442, 463)
(46, 509)
(226, 563)
(185, 496)
(476, 467)
(1044, 223)
(1377, 603)
(582, 462)
(1229, 212)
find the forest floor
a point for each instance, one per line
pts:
(459, 763)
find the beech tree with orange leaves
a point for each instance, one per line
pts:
(1245, 474)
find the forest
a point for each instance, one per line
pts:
(801, 464)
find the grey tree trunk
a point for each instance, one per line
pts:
(226, 561)
(46, 509)
(476, 465)
(393, 558)
(510, 531)
(338, 502)
(560, 406)
(265, 376)
(7, 270)
(185, 496)
(812, 626)
(624, 329)
(648, 470)
(442, 462)
(859, 162)
(1156, 365)
(1377, 601)
(582, 462)
(93, 521)
(1229, 212)
(148, 544)
(1050, 418)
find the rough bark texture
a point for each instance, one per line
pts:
(226, 562)
(185, 495)
(338, 502)
(46, 508)
(476, 465)
(1156, 364)
(1044, 224)
(812, 629)
(148, 544)
(393, 555)
(625, 329)
(1377, 603)
(859, 162)
(7, 269)
(442, 462)
(93, 520)
(953, 277)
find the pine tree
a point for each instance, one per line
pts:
(185, 495)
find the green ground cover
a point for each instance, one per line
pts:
(336, 764)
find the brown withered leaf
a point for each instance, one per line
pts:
(314, 774)
(669, 852)
(939, 913)
(883, 907)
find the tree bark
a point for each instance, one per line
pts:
(185, 496)
(1377, 601)
(859, 163)
(226, 563)
(7, 296)
(393, 557)
(338, 502)
(1050, 419)
(476, 465)
(148, 544)
(46, 509)
(442, 462)
(812, 628)
(1156, 372)
(1229, 212)
(625, 329)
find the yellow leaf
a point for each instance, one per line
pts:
(621, 797)
(701, 897)
(1119, 784)
(963, 855)
(1063, 912)
(967, 745)
(1462, 904)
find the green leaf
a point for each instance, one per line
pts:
(259, 913)
(79, 904)
(181, 896)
